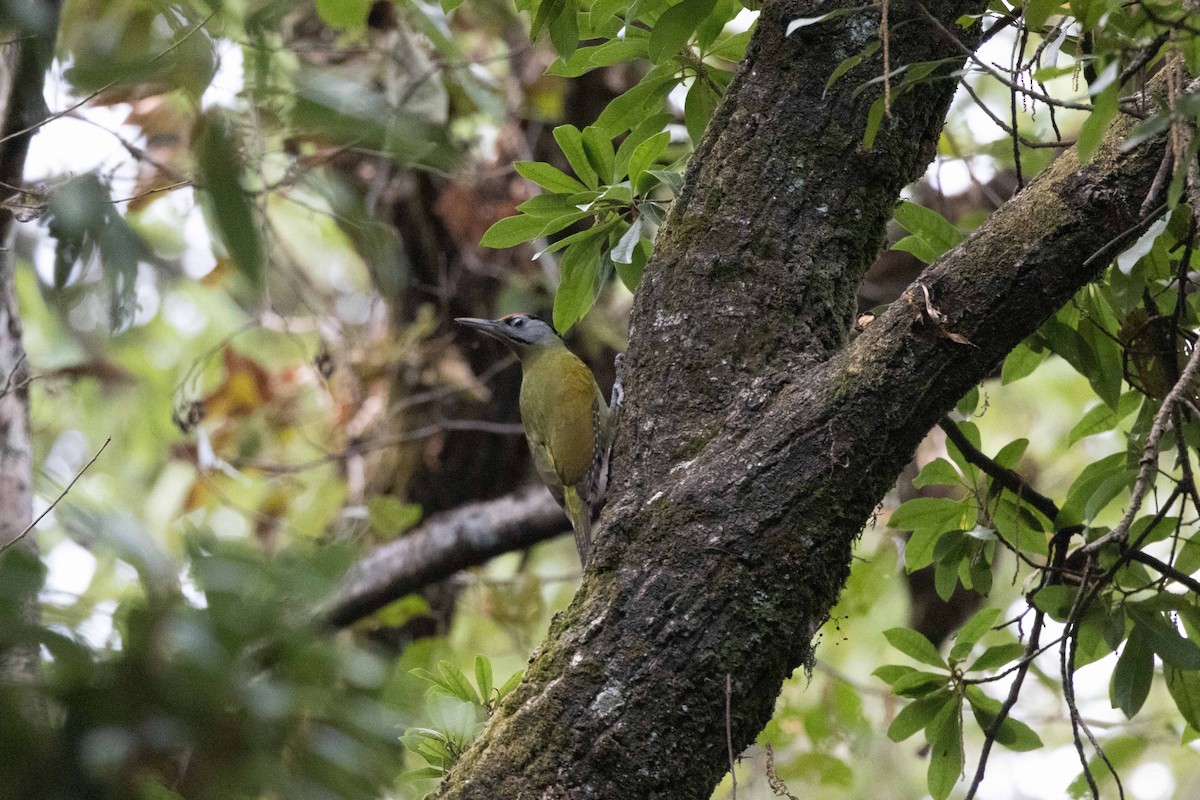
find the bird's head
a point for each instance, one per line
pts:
(518, 331)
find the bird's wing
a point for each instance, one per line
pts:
(570, 428)
(546, 470)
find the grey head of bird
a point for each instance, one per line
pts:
(518, 331)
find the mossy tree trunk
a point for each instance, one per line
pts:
(756, 441)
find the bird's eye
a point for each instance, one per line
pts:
(518, 322)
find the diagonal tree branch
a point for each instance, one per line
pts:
(446, 543)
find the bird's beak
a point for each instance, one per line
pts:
(488, 326)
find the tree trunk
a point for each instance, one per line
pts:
(755, 442)
(24, 60)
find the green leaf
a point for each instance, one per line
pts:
(344, 13)
(997, 656)
(219, 169)
(932, 229)
(545, 12)
(822, 768)
(631, 273)
(915, 646)
(513, 681)
(483, 677)
(1021, 362)
(918, 683)
(702, 100)
(550, 207)
(512, 231)
(597, 145)
(622, 251)
(454, 679)
(570, 141)
(1055, 601)
(1163, 638)
(918, 550)
(972, 631)
(938, 472)
(890, 673)
(1132, 676)
(874, 119)
(646, 154)
(1013, 734)
(1184, 686)
(1038, 11)
(847, 64)
(548, 177)
(389, 516)
(917, 715)
(646, 99)
(732, 48)
(1095, 486)
(673, 29)
(932, 512)
(1010, 455)
(564, 33)
(1101, 418)
(650, 127)
(945, 574)
(577, 291)
(944, 735)
(1104, 109)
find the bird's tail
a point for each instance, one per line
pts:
(581, 521)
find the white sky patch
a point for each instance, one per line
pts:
(70, 569)
(97, 630)
(229, 79)
(952, 176)
(1152, 781)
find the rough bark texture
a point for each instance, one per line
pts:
(732, 514)
(755, 443)
(451, 541)
(23, 64)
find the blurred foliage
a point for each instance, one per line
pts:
(248, 290)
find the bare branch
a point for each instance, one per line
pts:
(57, 500)
(1148, 463)
(445, 544)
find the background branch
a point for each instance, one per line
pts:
(444, 544)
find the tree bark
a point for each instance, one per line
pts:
(23, 64)
(755, 442)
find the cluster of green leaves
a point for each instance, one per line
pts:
(938, 697)
(613, 190)
(959, 536)
(619, 192)
(1140, 629)
(89, 231)
(1129, 337)
(462, 718)
(236, 693)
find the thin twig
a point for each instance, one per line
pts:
(773, 780)
(1148, 463)
(105, 87)
(729, 732)
(50, 507)
(1027, 142)
(1045, 98)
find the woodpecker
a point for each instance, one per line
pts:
(569, 426)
